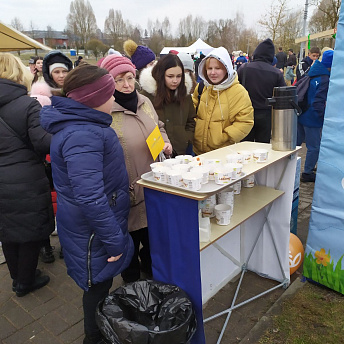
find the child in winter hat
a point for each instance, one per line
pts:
(327, 58)
(187, 61)
(42, 92)
(140, 55)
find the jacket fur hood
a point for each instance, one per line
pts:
(149, 85)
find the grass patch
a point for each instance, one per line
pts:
(314, 315)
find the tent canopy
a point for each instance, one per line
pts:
(13, 40)
(198, 46)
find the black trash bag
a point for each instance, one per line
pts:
(146, 312)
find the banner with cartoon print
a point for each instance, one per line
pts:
(323, 261)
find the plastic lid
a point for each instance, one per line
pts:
(285, 91)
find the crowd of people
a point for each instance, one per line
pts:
(92, 123)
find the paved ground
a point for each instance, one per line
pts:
(53, 314)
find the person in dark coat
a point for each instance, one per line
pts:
(241, 59)
(281, 59)
(259, 78)
(77, 62)
(292, 59)
(92, 186)
(26, 213)
(306, 63)
(56, 65)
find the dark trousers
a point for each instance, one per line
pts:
(132, 272)
(22, 260)
(90, 300)
(261, 131)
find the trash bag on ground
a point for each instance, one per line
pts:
(146, 312)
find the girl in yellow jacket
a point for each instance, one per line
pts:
(225, 112)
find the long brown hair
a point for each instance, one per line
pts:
(163, 94)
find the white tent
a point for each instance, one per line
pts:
(197, 47)
(201, 46)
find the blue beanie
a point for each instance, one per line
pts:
(327, 58)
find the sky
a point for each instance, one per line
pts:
(54, 12)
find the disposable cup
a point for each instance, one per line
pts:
(171, 162)
(237, 188)
(248, 182)
(155, 165)
(212, 162)
(226, 196)
(204, 171)
(236, 168)
(260, 155)
(223, 214)
(222, 175)
(246, 156)
(159, 174)
(184, 159)
(181, 167)
(174, 178)
(198, 160)
(192, 180)
(208, 206)
(234, 158)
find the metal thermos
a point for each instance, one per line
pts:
(284, 118)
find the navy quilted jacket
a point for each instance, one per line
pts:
(91, 181)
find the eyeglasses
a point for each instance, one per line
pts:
(121, 81)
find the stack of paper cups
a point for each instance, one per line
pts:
(226, 196)
(237, 188)
(208, 206)
(248, 182)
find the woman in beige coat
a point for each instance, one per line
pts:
(134, 118)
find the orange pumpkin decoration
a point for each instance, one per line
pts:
(296, 253)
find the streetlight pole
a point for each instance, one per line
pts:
(305, 14)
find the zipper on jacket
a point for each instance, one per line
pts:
(89, 260)
(113, 199)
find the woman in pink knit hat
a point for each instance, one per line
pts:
(134, 119)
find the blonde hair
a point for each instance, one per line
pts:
(206, 65)
(11, 68)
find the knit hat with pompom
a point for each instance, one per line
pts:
(139, 54)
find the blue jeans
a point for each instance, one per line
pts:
(312, 138)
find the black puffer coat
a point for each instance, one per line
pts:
(26, 212)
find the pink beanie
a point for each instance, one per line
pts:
(117, 65)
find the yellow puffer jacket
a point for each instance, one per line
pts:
(224, 116)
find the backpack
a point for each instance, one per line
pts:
(302, 91)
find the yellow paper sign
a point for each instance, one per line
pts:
(155, 142)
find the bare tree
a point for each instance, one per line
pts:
(81, 21)
(272, 21)
(115, 28)
(329, 9)
(16, 23)
(32, 29)
(49, 36)
(166, 28)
